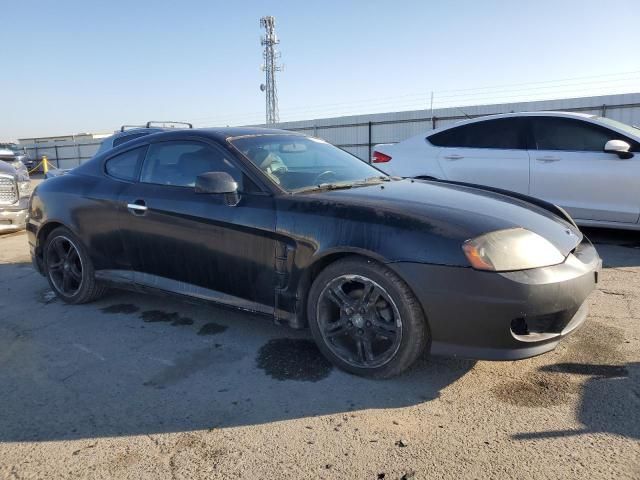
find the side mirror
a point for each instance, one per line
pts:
(220, 183)
(619, 147)
(216, 182)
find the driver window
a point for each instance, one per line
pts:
(178, 163)
(556, 133)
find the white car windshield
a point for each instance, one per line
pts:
(297, 163)
(630, 129)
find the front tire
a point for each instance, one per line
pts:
(365, 319)
(69, 269)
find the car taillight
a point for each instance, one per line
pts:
(379, 157)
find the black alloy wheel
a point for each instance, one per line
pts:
(69, 269)
(359, 321)
(64, 266)
(365, 318)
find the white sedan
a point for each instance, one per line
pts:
(584, 163)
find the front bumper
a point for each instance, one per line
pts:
(12, 219)
(503, 316)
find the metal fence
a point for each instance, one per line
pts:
(359, 134)
(66, 154)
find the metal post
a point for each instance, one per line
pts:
(55, 147)
(604, 110)
(431, 107)
(370, 143)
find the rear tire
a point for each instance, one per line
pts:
(365, 319)
(69, 269)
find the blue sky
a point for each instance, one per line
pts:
(92, 66)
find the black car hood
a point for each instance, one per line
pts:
(461, 212)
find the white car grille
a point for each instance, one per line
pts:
(8, 190)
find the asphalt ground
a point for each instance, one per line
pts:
(138, 386)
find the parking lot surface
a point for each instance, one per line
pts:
(137, 386)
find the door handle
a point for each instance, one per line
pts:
(138, 207)
(453, 156)
(548, 159)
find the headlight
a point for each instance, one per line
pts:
(511, 249)
(24, 188)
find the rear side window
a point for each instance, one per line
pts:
(178, 163)
(554, 133)
(126, 166)
(128, 138)
(501, 133)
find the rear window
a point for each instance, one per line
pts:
(126, 166)
(128, 138)
(502, 133)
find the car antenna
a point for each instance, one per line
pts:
(464, 113)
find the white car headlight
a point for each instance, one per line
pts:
(511, 249)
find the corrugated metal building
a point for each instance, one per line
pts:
(359, 133)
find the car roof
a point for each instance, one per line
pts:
(223, 133)
(543, 113)
(133, 131)
(217, 133)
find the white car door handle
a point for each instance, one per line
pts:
(137, 208)
(453, 156)
(548, 159)
(140, 208)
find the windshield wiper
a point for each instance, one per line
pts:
(377, 179)
(323, 186)
(335, 186)
(345, 185)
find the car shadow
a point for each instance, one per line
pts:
(618, 248)
(134, 364)
(610, 400)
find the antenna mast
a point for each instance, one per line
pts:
(270, 55)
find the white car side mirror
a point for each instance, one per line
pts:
(619, 147)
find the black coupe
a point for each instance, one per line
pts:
(381, 269)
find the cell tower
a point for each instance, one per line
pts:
(270, 55)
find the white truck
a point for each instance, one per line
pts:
(15, 189)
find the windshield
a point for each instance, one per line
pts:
(10, 146)
(630, 129)
(13, 147)
(297, 163)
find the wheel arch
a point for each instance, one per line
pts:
(43, 232)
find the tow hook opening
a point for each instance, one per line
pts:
(535, 328)
(519, 326)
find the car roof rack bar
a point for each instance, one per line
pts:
(125, 127)
(189, 125)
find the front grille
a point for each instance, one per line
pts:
(8, 190)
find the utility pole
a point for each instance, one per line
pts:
(270, 56)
